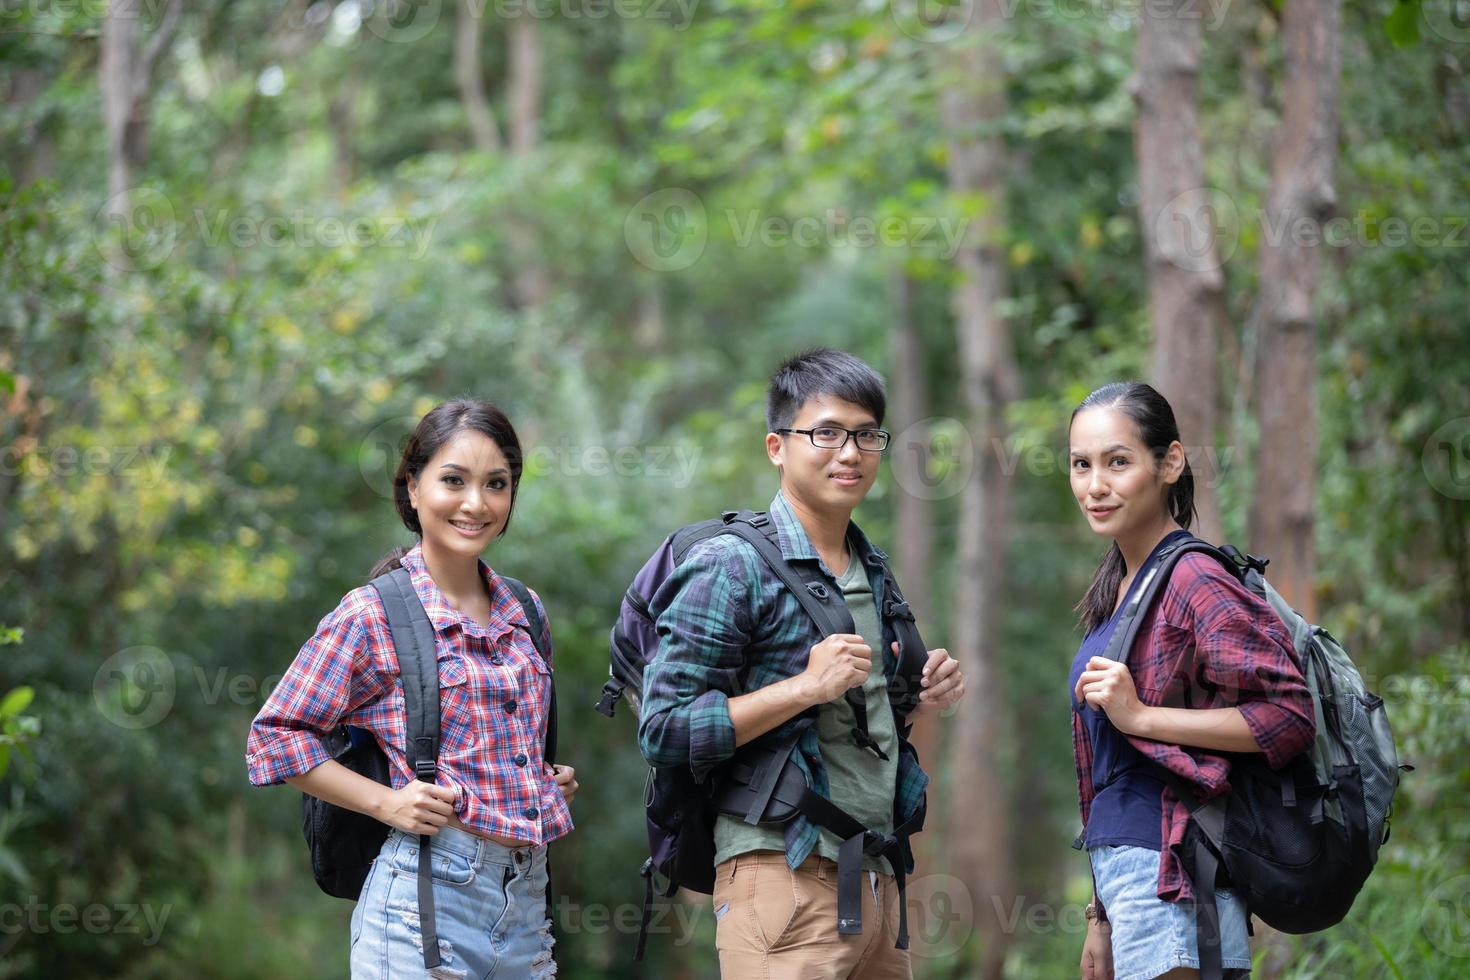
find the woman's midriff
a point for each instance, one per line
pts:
(457, 824)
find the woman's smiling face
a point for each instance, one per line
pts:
(1115, 478)
(464, 494)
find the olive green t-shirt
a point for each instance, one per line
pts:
(858, 780)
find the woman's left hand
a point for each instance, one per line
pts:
(566, 781)
(1106, 684)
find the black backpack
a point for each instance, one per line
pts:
(761, 784)
(343, 842)
(1296, 843)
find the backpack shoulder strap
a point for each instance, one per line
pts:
(828, 612)
(418, 669)
(1147, 591)
(538, 636)
(912, 655)
(824, 605)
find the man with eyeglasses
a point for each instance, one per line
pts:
(741, 662)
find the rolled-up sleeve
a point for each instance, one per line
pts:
(325, 681)
(1247, 653)
(703, 620)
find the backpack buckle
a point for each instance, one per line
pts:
(897, 609)
(818, 589)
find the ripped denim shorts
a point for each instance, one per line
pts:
(489, 906)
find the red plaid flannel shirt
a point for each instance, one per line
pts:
(1208, 642)
(494, 695)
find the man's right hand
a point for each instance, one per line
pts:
(837, 664)
(418, 807)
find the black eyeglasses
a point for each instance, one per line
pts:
(835, 437)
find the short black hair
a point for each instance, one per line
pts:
(822, 371)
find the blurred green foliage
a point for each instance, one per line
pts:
(204, 403)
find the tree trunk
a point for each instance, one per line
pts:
(972, 106)
(1303, 160)
(531, 283)
(914, 540)
(467, 40)
(33, 157)
(1178, 214)
(341, 116)
(125, 75)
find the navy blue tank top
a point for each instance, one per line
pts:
(1128, 807)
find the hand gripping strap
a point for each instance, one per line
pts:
(821, 603)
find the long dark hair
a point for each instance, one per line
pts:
(1150, 411)
(444, 422)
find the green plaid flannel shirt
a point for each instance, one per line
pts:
(728, 626)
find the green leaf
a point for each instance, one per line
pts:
(11, 634)
(1402, 25)
(1383, 950)
(16, 701)
(7, 381)
(4, 760)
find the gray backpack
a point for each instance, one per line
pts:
(1296, 843)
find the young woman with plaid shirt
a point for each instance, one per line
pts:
(496, 804)
(1212, 673)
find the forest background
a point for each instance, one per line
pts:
(244, 246)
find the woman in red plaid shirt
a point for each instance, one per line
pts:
(496, 804)
(1212, 673)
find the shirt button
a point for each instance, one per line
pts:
(532, 813)
(510, 707)
(496, 660)
(520, 759)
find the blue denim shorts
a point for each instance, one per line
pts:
(489, 908)
(1152, 936)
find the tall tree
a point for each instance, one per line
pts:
(1303, 161)
(468, 73)
(125, 74)
(914, 542)
(1186, 286)
(531, 283)
(972, 107)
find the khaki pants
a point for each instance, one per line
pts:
(777, 924)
